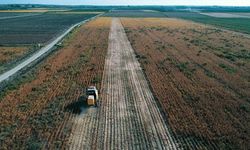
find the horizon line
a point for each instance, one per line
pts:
(126, 5)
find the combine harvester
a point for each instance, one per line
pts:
(92, 96)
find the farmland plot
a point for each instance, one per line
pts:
(39, 10)
(234, 24)
(8, 54)
(33, 32)
(6, 15)
(36, 114)
(243, 14)
(134, 13)
(226, 15)
(9, 14)
(200, 75)
(37, 29)
(128, 116)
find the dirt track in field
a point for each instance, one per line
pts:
(128, 116)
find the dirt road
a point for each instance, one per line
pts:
(128, 116)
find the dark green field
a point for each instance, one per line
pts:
(37, 29)
(235, 24)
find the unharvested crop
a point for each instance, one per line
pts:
(11, 54)
(200, 75)
(37, 113)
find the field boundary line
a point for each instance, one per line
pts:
(20, 16)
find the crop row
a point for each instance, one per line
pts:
(202, 97)
(37, 29)
(37, 114)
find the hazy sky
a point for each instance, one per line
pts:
(132, 2)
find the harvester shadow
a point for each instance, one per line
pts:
(77, 106)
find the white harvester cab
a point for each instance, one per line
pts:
(92, 95)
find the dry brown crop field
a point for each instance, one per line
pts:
(200, 76)
(10, 53)
(36, 114)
